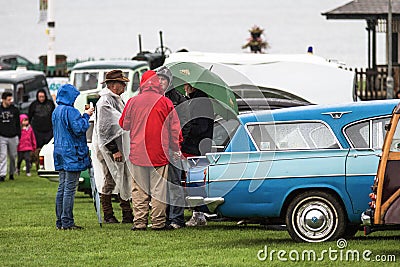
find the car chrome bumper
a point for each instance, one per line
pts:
(51, 175)
(366, 219)
(211, 202)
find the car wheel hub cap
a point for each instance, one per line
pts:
(315, 220)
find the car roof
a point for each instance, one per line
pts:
(10, 55)
(338, 114)
(256, 104)
(252, 91)
(110, 64)
(15, 76)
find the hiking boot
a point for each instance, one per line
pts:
(197, 219)
(110, 219)
(127, 217)
(2, 178)
(108, 209)
(73, 227)
(11, 176)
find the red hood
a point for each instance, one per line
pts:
(150, 82)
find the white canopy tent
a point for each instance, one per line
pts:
(310, 77)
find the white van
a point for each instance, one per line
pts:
(87, 78)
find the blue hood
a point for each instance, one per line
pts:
(67, 94)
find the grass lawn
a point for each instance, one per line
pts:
(28, 237)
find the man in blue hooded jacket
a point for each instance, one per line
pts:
(71, 153)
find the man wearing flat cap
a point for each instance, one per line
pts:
(107, 137)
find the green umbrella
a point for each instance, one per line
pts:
(208, 82)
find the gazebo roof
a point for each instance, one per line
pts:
(364, 9)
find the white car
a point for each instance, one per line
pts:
(46, 163)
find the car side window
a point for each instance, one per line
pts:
(395, 145)
(21, 61)
(367, 134)
(89, 131)
(135, 82)
(292, 135)
(86, 80)
(11, 61)
(359, 134)
(379, 132)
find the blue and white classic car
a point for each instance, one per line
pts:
(309, 167)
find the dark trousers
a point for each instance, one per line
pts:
(42, 138)
(24, 155)
(175, 193)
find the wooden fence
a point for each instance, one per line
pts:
(371, 83)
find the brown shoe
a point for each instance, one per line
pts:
(127, 217)
(73, 227)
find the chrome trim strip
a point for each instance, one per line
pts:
(272, 151)
(287, 177)
(274, 158)
(363, 174)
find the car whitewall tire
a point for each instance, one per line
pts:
(315, 216)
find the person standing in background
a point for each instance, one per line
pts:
(71, 153)
(199, 141)
(27, 144)
(10, 131)
(39, 114)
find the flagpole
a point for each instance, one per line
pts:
(389, 79)
(51, 57)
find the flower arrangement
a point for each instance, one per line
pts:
(255, 42)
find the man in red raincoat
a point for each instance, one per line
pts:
(154, 130)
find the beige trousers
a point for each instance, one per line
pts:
(149, 185)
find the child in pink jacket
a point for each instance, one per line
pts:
(27, 144)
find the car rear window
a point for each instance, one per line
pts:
(223, 132)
